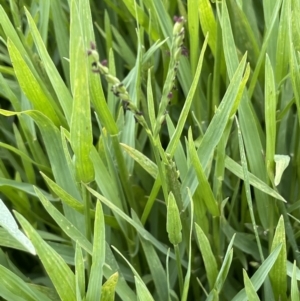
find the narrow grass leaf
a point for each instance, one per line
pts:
(207, 195)
(10, 31)
(60, 274)
(270, 117)
(79, 273)
(294, 289)
(32, 87)
(247, 188)
(249, 127)
(208, 23)
(250, 291)
(61, 34)
(193, 27)
(282, 51)
(141, 159)
(278, 272)
(222, 275)
(281, 163)
(59, 86)
(244, 36)
(216, 128)
(112, 266)
(144, 233)
(13, 287)
(8, 222)
(260, 275)
(109, 288)
(81, 128)
(63, 195)
(187, 104)
(242, 241)
(266, 43)
(236, 169)
(179, 155)
(98, 259)
(64, 224)
(142, 291)
(157, 271)
(187, 278)
(209, 259)
(174, 226)
(150, 101)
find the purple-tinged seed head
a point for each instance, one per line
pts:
(104, 62)
(178, 19)
(170, 95)
(93, 45)
(184, 51)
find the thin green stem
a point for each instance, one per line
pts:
(178, 262)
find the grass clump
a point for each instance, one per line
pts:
(146, 156)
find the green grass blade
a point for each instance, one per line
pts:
(61, 34)
(294, 288)
(14, 288)
(79, 273)
(60, 88)
(187, 279)
(142, 291)
(208, 23)
(64, 224)
(270, 117)
(144, 233)
(236, 169)
(260, 275)
(278, 272)
(156, 268)
(94, 285)
(60, 274)
(109, 287)
(208, 256)
(249, 127)
(250, 291)
(216, 128)
(187, 105)
(8, 222)
(247, 189)
(207, 195)
(31, 86)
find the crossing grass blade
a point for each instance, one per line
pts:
(59, 272)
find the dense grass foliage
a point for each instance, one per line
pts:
(149, 150)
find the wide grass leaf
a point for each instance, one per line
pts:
(59, 86)
(33, 87)
(278, 272)
(209, 259)
(81, 127)
(59, 272)
(109, 288)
